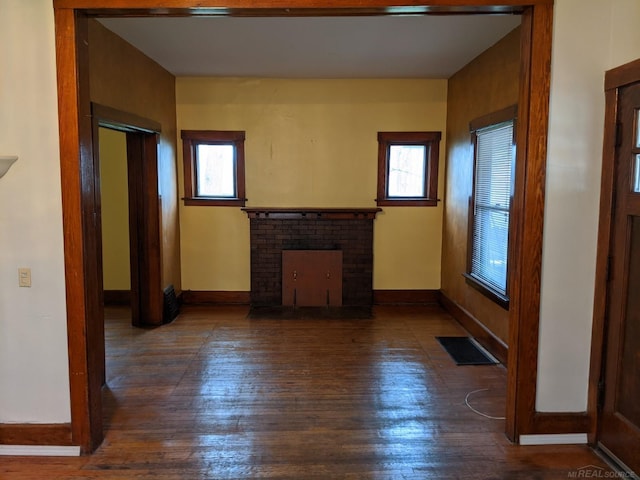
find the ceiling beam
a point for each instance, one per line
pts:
(293, 7)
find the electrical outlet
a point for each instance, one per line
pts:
(24, 277)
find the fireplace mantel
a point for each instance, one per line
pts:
(297, 213)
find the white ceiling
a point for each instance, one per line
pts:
(314, 47)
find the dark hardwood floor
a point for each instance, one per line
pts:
(215, 395)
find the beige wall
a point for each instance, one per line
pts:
(114, 195)
(34, 372)
(488, 84)
(123, 78)
(608, 31)
(311, 143)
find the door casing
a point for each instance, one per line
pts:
(71, 17)
(615, 80)
(144, 209)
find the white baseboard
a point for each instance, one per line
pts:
(554, 439)
(39, 451)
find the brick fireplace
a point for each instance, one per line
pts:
(274, 230)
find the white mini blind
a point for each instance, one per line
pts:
(494, 167)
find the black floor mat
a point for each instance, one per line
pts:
(464, 351)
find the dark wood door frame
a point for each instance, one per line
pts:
(615, 80)
(71, 18)
(144, 210)
(146, 292)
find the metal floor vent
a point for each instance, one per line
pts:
(171, 306)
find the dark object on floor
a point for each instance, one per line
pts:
(465, 351)
(271, 313)
(171, 306)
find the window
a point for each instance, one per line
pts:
(408, 168)
(490, 206)
(213, 167)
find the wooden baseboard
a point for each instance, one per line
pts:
(380, 297)
(202, 297)
(117, 297)
(405, 297)
(35, 434)
(559, 423)
(542, 423)
(480, 332)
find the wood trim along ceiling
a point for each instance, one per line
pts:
(295, 7)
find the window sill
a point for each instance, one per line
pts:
(408, 202)
(214, 202)
(500, 299)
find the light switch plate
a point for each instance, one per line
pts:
(24, 277)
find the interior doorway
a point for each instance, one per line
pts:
(145, 261)
(114, 213)
(141, 139)
(78, 175)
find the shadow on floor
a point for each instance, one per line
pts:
(282, 312)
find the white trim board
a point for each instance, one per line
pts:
(39, 451)
(554, 439)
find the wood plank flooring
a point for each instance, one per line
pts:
(215, 395)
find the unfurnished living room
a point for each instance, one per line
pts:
(314, 239)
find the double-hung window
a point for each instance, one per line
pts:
(213, 167)
(493, 139)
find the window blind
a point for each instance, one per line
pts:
(494, 165)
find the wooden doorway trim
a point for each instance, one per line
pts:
(615, 79)
(144, 235)
(144, 209)
(75, 148)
